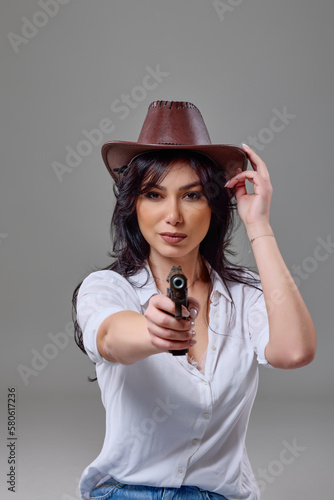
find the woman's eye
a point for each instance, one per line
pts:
(194, 195)
(152, 195)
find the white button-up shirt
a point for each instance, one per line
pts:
(167, 423)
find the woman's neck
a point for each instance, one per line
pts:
(195, 270)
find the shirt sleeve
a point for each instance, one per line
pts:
(258, 326)
(102, 294)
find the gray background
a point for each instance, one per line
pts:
(238, 68)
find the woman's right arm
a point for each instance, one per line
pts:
(128, 336)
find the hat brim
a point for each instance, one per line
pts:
(228, 157)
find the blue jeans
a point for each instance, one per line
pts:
(113, 489)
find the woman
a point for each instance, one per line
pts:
(176, 425)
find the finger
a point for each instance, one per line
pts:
(171, 345)
(166, 304)
(159, 317)
(167, 321)
(241, 178)
(256, 162)
(193, 307)
(163, 303)
(172, 335)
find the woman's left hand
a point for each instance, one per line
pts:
(253, 208)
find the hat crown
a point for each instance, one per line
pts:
(174, 122)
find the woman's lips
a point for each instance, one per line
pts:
(173, 237)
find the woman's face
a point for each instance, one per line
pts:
(174, 216)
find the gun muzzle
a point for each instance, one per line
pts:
(178, 292)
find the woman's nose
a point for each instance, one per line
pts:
(173, 214)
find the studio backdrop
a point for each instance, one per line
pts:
(78, 73)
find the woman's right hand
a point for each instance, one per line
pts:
(165, 331)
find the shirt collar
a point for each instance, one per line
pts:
(145, 285)
(218, 284)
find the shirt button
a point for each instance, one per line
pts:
(213, 347)
(205, 382)
(195, 441)
(217, 315)
(206, 415)
(180, 470)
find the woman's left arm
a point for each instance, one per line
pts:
(292, 337)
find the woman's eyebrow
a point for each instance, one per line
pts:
(182, 188)
(188, 186)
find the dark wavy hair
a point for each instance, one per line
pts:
(131, 250)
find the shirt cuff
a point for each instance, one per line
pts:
(90, 337)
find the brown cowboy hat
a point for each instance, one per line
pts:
(173, 125)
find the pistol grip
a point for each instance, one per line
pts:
(182, 352)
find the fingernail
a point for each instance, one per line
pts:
(193, 333)
(192, 342)
(192, 324)
(227, 183)
(185, 313)
(246, 146)
(193, 313)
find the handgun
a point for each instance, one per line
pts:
(178, 292)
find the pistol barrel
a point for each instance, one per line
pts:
(178, 292)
